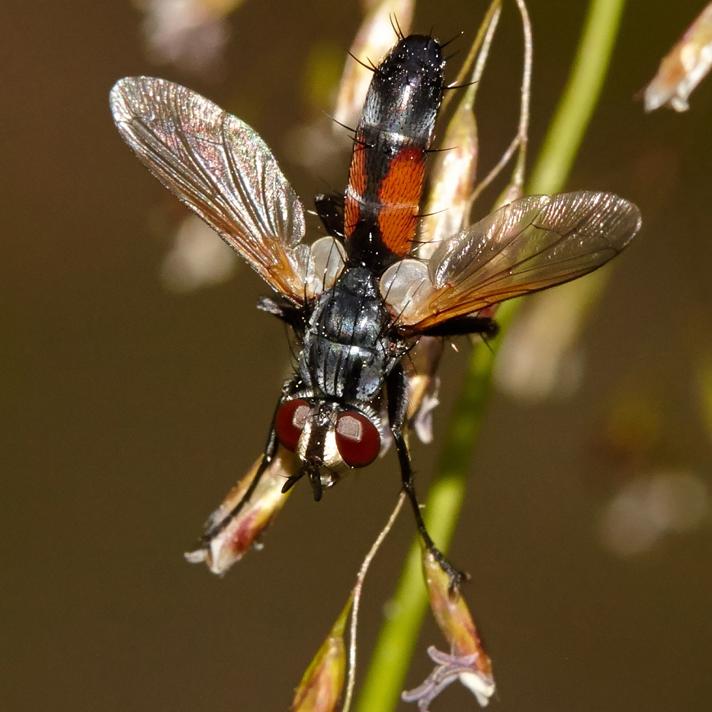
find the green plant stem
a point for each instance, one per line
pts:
(580, 97)
(394, 648)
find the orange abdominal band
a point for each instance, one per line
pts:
(399, 195)
(357, 181)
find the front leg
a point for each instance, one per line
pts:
(216, 527)
(463, 325)
(397, 390)
(330, 208)
(285, 310)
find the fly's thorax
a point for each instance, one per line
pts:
(348, 348)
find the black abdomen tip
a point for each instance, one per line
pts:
(407, 88)
(415, 59)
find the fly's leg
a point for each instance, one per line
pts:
(214, 529)
(463, 325)
(330, 208)
(269, 452)
(283, 309)
(397, 390)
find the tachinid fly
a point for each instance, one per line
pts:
(359, 299)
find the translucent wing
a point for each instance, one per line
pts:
(220, 168)
(528, 245)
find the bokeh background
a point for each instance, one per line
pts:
(133, 400)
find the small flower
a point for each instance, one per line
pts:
(450, 668)
(684, 67)
(196, 259)
(452, 180)
(467, 661)
(242, 532)
(423, 386)
(321, 685)
(191, 34)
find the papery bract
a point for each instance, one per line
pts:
(242, 532)
(467, 661)
(684, 67)
(323, 681)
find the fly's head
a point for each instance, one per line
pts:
(328, 437)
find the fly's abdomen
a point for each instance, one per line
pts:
(388, 164)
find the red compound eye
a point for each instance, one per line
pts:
(357, 439)
(290, 420)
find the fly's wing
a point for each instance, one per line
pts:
(220, 168)
(531, 244)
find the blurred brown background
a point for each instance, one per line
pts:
(130, 408)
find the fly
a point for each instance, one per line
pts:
(358, 300)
